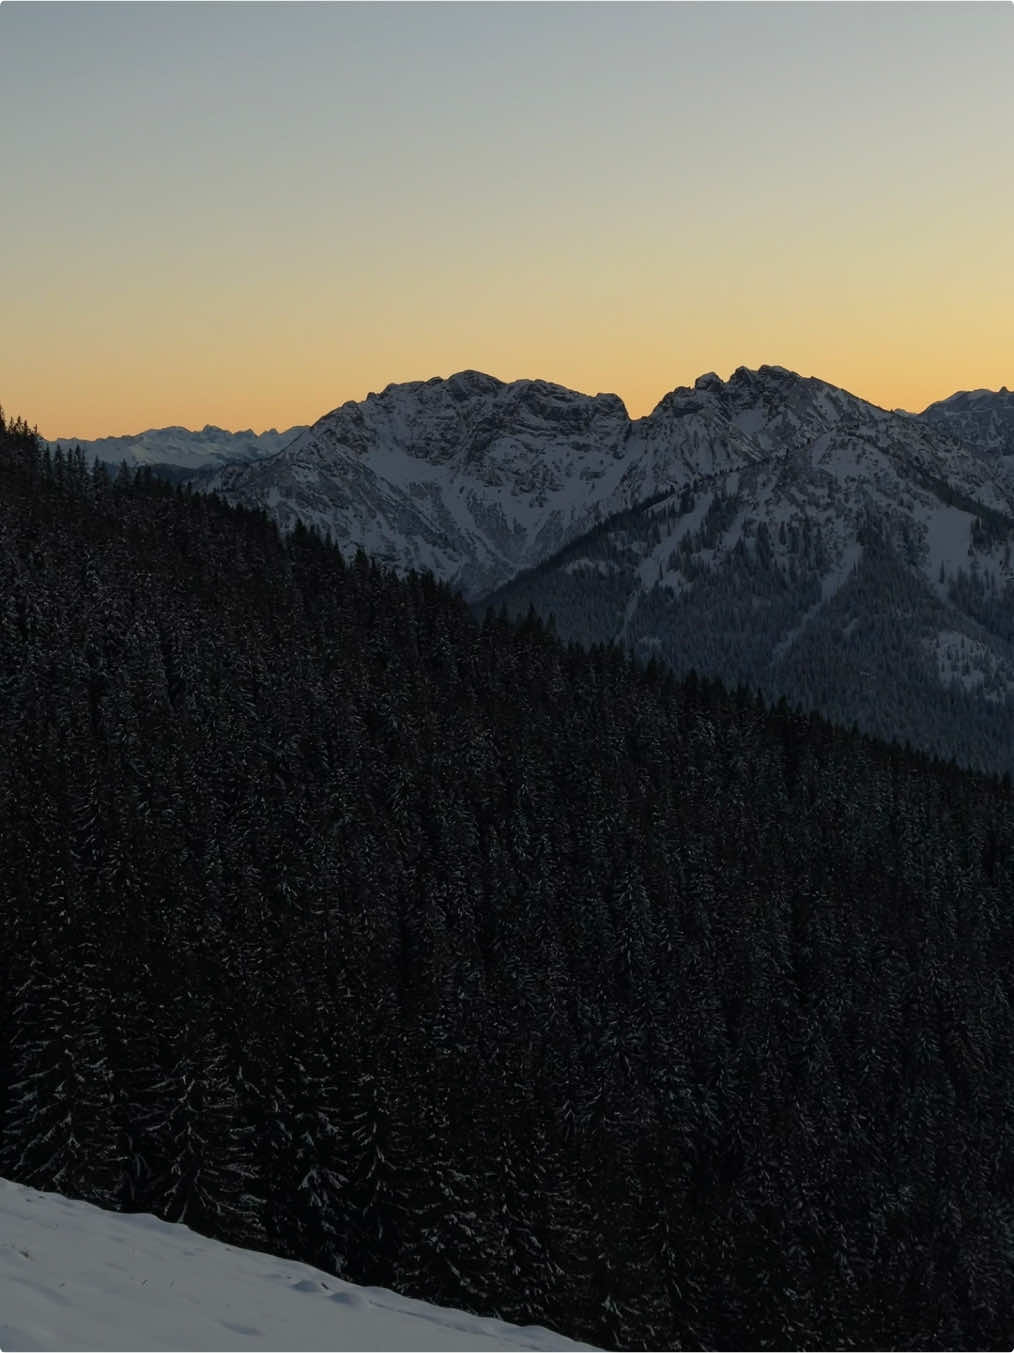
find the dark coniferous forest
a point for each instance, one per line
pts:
(450, 958)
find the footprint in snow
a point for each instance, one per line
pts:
(239, 1329)
(351, 1299)
(309, 1285)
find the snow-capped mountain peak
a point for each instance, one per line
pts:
(179, 446)
(981, 418)
(482, 481)
(470, 476)
(478, 479)
(815, 546)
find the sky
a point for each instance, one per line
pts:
(245, 214)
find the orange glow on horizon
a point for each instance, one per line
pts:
(764, 183)
(93, 413)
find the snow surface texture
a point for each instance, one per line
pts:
(211, 446)
(75, 1277)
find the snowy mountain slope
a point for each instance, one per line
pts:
(478, 480)
(179, 446)
(75, 1277)
(769, 528)
(983, 419)
(469, 477)
(858, 563)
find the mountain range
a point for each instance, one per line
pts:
(857, 563)
(772, 529)
(477, 479)
(181, 448)
(725, 982)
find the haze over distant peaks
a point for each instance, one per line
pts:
(182, 447)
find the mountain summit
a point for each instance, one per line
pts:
(770, 529)
(470, 477)
(479, 479)
(854, 561)
(983, 418)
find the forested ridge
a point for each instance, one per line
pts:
(872, 642)
(450, 958)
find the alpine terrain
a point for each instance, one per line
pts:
(180, 448)
(983, 418)
(469, 477)
(770, 529)
(858, 563)
(452, 960)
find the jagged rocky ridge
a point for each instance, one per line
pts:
(474, 478)
(771, 529)
(859, 564)
(477, 479)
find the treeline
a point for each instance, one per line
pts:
(868, 654)
(447, 957)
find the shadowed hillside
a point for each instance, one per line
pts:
(448, 958)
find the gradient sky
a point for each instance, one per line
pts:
(246, 214)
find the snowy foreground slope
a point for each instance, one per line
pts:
(75, 1277)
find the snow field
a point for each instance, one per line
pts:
(75, 1277)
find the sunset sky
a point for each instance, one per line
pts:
(247, 214)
